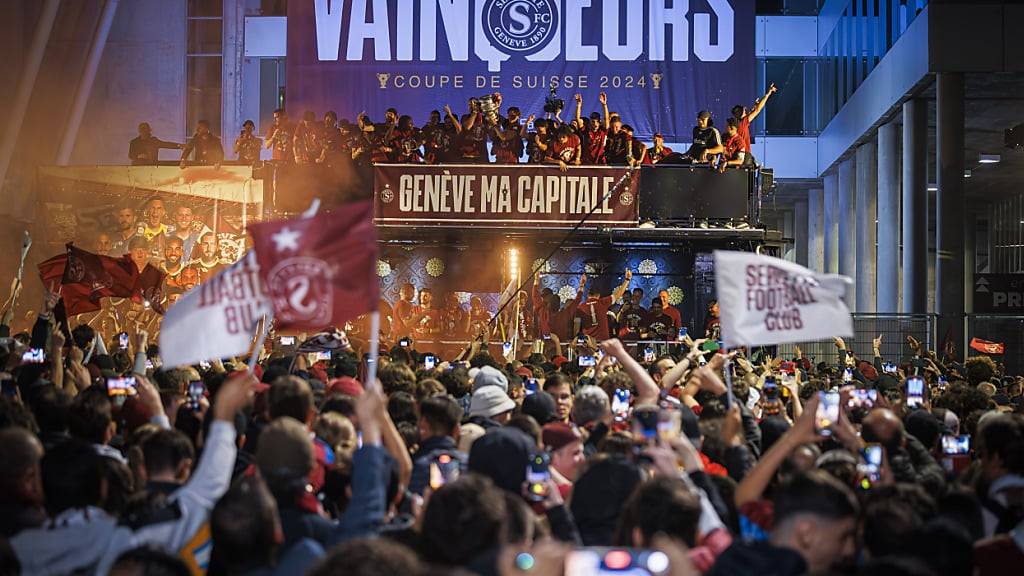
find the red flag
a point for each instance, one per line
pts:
(320, 271)
(986, 347)
(85, 278)
(149, 288)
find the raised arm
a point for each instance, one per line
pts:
(579, 109)
(760, 103)
(753, 485)
(603, 99)
(646, 390)
(621, 289)
(455, 120)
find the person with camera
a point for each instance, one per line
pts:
(279, 137)
(617, 148)
(538, 143)
(437, 138)
(471, 135)
(248, 145)
(594, 133)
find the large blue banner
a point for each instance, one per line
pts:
(660, 61)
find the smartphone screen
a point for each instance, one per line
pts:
(848, 375)
(404, 342)
(286, 340)
(196, 390)
(682, 333)
(531, 385)
(889, 367)
(323, 356)
(429, 361)
(620, 404)
(122, 340)
(443, 469)
(121, 386)
(648, 421)
(506, 348)
(537, 476)
(588, 360)
(34, 356)
(710, 346)
(915, 391)
(862, 399)
(871, 469)
(771, 389)
(828, 412)
(648, 354)
(954, 445)
(616, 561)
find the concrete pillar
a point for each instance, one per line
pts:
(847, 216)
(800, 225)
(915, 207)
(831, 251)
(231, 105)
(816, 230)
(867, 190)
(888, 254)
(949, 206)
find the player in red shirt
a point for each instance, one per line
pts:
(403, 312)
(426, 320)
(593, 313)
(565, 150)
(733, 155)
(744, 117)
(664, 321)
(561, 320)
(594, 133)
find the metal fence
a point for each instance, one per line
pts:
(894, 329)
(1008, 330)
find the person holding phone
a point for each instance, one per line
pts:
(909, 460)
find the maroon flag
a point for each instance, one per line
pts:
(319, 271)
(149, 288)
(986, 347)
(85, 278)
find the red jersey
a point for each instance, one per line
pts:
(733, 146)
(400, 319)
(593, 146)
(664, 323)
(654, 155)
(594, 317)
(565, 151)
(744, 132)
(426, 322)
(561, 320)
(542, 312)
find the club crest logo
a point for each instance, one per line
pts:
(520, 26)
(301, 290)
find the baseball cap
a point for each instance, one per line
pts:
(558, 435)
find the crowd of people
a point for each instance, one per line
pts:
(482, 131)
(709, 461)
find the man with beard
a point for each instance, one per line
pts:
(426, 320)
(403, 310)
(595, 133)
(209, 256)
(632, 316)
(454, 320)
(188, 229)
(663, 320)
(173, 263)
(207, 147)
(127, 228)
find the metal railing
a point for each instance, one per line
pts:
(1006, 329)
(894, 329)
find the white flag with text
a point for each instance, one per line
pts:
(216, 319)
(765, 301)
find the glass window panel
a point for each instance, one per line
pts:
(205, 7)
(784, 114)
(205, 36)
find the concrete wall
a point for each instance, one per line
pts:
(140, 79)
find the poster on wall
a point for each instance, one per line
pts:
(504, 196)
(659, 61)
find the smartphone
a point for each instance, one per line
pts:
(149, 364)
(531, 385)
(620, 404)
(956, 445)
(205, 365)
(196, 390)
(648, 421)
(122, 340)
(770, 389)
(547, 336)
(828, 412)
(405, 342)
(682, 333)
(286, 340)
(323, 356)
(648, 354)
(915, 392)
(121, 386)
(889, 367)
(537, 476)
(848, 375)
(862, 399)
(871, 469)
(617, 561)
(443, 469)
(34, 356)
(429, 361)
(506, 348)
(588, 360)
(581, 340)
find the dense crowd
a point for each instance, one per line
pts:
(477, 464)
(602, 138)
